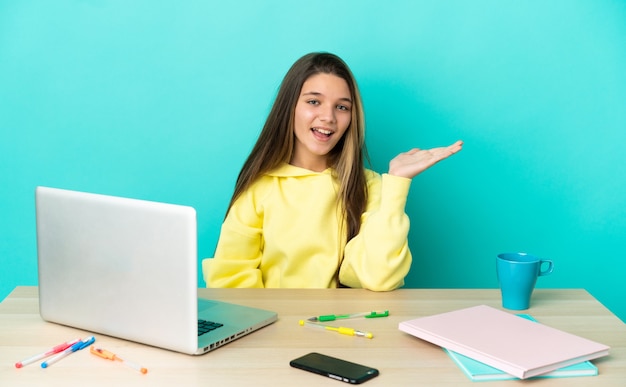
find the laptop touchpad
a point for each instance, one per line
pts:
(205, 304)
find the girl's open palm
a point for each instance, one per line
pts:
(410, 164)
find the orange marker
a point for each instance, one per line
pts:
(103, 353)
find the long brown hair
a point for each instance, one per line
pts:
(276, 142)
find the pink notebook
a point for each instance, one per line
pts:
(502, 340)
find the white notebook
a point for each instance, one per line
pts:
(502, 340)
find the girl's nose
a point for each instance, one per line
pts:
(327, 114)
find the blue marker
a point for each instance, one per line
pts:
(76, 347)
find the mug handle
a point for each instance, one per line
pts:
(548, 269)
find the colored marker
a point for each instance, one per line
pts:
(76, 347)
(103, 353)
(54, 350)
(333, 317)
(342, 330)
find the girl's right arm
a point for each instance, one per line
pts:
(238, 253)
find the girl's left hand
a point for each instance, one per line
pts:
(410, 164)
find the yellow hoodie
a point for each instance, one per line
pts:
(286, 232)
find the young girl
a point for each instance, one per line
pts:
(305, 212)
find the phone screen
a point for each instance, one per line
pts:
(334, 368)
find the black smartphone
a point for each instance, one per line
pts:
(334, 368)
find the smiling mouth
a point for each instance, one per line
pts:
(324, 132)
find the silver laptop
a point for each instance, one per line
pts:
(128, 268)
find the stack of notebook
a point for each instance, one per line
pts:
(515, 347)
(478, 371)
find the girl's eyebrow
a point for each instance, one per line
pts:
(317, 93)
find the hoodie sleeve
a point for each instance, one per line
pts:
(378, 258)
(239, 249)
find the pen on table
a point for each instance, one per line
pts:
(103, 353)
(333, 317)
(54, 350)
(342, 330)
(76, 347)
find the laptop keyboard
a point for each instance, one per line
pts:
(205, 326)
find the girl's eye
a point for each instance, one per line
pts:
(343, 107)
(313, 102)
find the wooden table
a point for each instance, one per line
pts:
(262, 358)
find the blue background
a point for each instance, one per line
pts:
(163, 100)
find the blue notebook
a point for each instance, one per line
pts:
(478, 371)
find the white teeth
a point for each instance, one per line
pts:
(323, 131)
